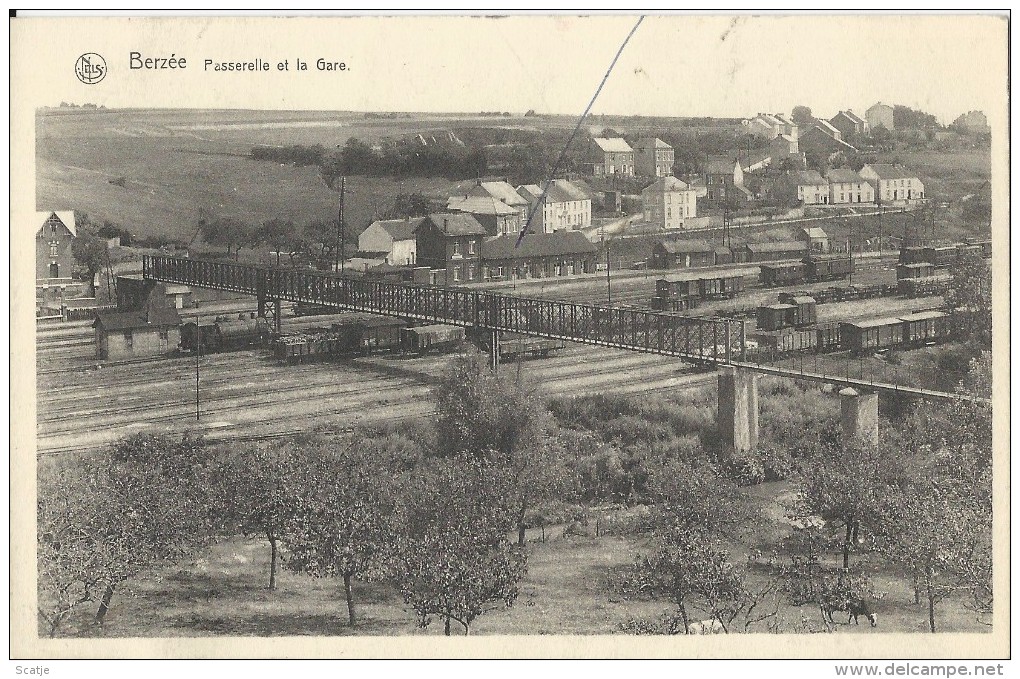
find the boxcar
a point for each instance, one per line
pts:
(516, 346)
(673, 304)
(731, 286)
(875, 333)
(379, 334)
(913, 255)
(941, 255)
(782, 274)
(428, 338)
(774, 316)
(826, 268)
(783, 341)
(918, 287)
(924, 326)
(677, 289)
(805, 312)
(827, 337)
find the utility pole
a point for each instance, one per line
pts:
(341, 231)
(850, 249)
(198, 360)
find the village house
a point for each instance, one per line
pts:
(497, 218)
(145, 324)
(849, 124)
(539, 255)
(724, 182)
(394, 237)
(451, 241)
(496, 189)
(562, 206)
(682, 254)
(812, 187)
(653, 158)
(669, 203)
(846, 186)
(54, 232)
(825, 138)
(893, 184)
(769, 126)
(612, 156)
(880, 115)
(815, 237)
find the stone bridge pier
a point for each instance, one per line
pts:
(738, 408)
(737, 416)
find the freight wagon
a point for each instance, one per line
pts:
(924, 327)
(827, 337)
(783, 341)
(806, 308)
(673, 304)
(774, 316)
(379, 334)
(827, 267)
(919, 287)
(428, 338)
(876, 333)
(782, 274)
(918, 270)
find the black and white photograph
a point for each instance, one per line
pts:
(593, 332)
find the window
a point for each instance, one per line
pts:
(456, 248)
(53, 248)
(164, 335)
(129, 340)
(471, 272)
(456, 273)
(471, 247)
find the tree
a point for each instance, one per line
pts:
(454, 558)
(89, 250)
(498, 417)
(845, 482)
(109, 517)
(343, 521)
(278, 235)
(801, 115)
(411, 205)
(321, 234)
(229, 232)
(970, 296)
(257, 491)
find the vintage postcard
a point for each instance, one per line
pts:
(679, 336)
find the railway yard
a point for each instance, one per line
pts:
(247, 394)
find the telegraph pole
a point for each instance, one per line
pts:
(341, 231)
(198, 360)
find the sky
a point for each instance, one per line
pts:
(720, 66)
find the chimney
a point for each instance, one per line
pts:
(446, 223)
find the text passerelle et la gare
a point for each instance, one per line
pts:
(173, 62)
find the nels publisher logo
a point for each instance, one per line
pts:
(90, 68)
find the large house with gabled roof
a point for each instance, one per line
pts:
(611, 156)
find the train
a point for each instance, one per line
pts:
(224, 333)
(686, 294)
(918, 328)
(810, 269)
(794, 310)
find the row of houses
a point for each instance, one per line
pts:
(457, 243)
(876, 183)
(557, 205)
(650, 157)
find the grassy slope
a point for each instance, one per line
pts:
(174, 165)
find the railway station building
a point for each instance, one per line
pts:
(539, 255)
(151, 331)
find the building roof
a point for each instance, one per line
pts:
(456, 224)
(664, 184)
(537, 245)
(399, 229)
(781, 246)
(65, 216)
(649, 142)
(879, 105)
(613, 144)
(829, 128)
(923, 316)
(873, 322)
(479, 206)
(810, 178)
(154, 317)
(890, 171)
(843, 175)
(678, 246)
(853, 116)
(783, 119)
(814, 232)
(557, 191)
(720, 165)
(498, 189)
(584, 187)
